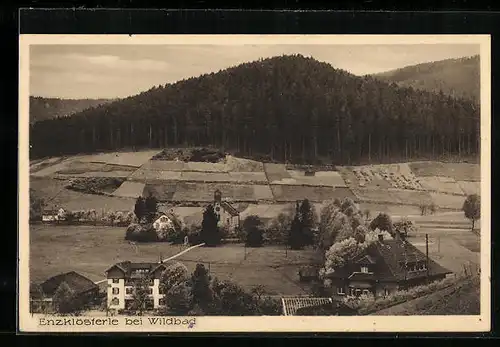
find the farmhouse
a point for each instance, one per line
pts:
(122, 278)
(83, 288)
(384, 267)
(163, 222)
(52, 215)
(226, 213)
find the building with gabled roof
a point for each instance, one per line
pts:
(122, 278)
(226, 214)
(84, 289)
(384, 267)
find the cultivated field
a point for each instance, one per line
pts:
(90, 251)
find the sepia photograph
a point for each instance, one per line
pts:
(226, 183)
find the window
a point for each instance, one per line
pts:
(364, 269)
(340, 291)
(129, 290)
(150, 290)
(116, 280)
(366, 291)
(358, 292)
(161, 302)
(116, 291)
(115, 302)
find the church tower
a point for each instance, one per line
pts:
(217, 201)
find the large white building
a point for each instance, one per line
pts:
(122, 277)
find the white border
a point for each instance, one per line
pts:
(480, 323)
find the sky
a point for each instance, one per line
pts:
(116, 71)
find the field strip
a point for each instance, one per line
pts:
(164, 260)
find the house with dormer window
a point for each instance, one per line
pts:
(384, 267)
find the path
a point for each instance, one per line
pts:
(164, 260)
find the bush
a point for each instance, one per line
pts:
(279, 228)
(173, 275)
(362, 302)
(179, 299)
(141, 233)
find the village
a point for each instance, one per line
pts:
(382, 268)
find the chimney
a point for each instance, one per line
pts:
(380, 237)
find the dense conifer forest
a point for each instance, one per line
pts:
(287, 108)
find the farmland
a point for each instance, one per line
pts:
(91, 250)
(390, 186)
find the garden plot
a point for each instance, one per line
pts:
(392, 196)
(285, 193)
(459, 171)
(130, 189)
(154, 175)
(234, 164)
(162, 192)
(320, 178)
(394, 211)
(397, 176)
(276, 172)
(204, 167)
(250, 177)
(135, 159)
(187, 191)
(469, 187)
(163, 165)
(52, 169)
(440, 184)
(262, 192)
(448, 201)
(205, 176)
(266, 211)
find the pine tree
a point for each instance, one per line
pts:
(151, 207)
(140, 208)
(210, 234)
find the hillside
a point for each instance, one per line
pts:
(455, 77)
(48, 108)
(286, 108)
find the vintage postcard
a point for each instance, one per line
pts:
(276, 183)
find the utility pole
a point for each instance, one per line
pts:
(427, 254)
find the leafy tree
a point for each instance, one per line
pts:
(173, 275)
(382, 222)
(65, 300)
(472, 208)
(140, 208)
(140, 295)
(279, 228)
(231, 300)
(200, 287)
(209, 230)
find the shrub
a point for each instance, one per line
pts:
(141, 233)
(179, 299)
(65, 300)
(362, 302)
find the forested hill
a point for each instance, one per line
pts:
(289, 108)
(46, 108)
(455, 77)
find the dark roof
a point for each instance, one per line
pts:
(128, 267)
(390, 257)
(361, 276)
(78, 283)
(230, 209)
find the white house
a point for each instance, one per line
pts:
(163, 222)
(122, 278)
